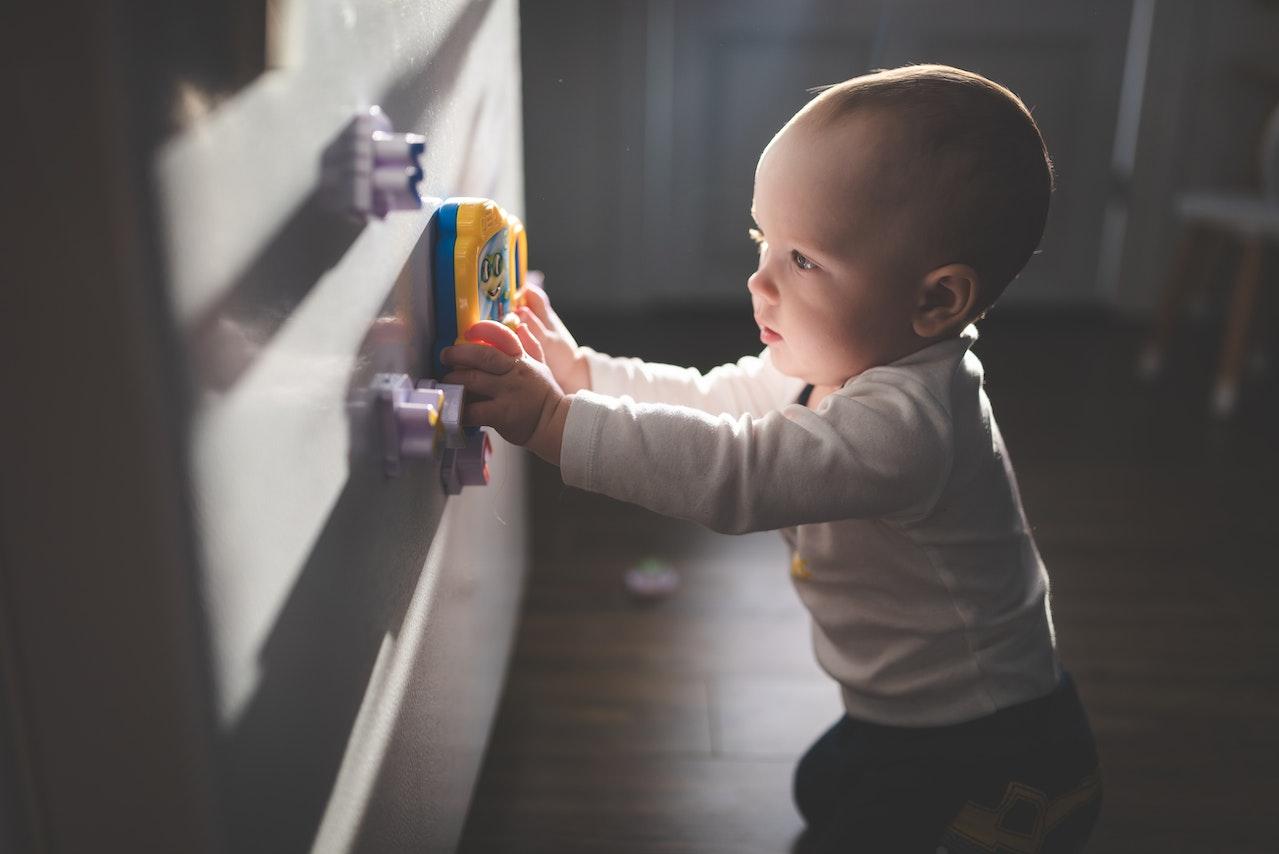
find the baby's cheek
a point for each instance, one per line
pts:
(831, 355)
(823, 341)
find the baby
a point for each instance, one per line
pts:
(891, 212)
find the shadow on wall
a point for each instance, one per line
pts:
(225, 340)
(281, 758)
(283, 755)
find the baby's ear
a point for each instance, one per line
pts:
(945, 301)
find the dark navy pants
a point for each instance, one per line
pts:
(1024, 779)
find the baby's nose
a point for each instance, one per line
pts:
(762, 287)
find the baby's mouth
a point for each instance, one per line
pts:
(769, 335)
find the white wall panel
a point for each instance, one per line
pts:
(336, 598)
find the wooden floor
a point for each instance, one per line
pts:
(674, 727)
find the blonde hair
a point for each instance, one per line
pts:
(968, 165)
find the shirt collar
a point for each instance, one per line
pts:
(946, 348)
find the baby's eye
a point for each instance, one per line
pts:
(758, 237)
(801, 260)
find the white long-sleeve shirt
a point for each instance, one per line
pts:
(910, 547)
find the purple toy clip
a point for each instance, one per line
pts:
(410, 420)
(372, 170)
(451, 413)
(469, 465)
(419, 422)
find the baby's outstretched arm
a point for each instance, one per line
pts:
(752, 385)
(509, 387)
(879, 450)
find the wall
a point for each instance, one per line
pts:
(246, 639)
(645, 120)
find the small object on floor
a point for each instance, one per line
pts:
(651, 579)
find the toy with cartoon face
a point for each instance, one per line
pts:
(495, 297)
(479, 260)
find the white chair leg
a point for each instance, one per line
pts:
(1224, 397)
(1197, 248)
(1234, 349)
(1150, 362)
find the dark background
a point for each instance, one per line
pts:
(674, 727)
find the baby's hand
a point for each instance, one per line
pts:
(509, 388)
(563, 356)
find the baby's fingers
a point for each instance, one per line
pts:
(476, 382)
(496, 335)
(481, 358)
(531, 345)
(539, 330)
(535, 300)
(495, 414)
(479, 413)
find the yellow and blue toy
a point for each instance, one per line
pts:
(479, 267)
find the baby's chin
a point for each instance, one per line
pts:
(786, 364)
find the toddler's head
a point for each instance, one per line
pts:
(892, 210)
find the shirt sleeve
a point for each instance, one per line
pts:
(752, 386)
(877, 448)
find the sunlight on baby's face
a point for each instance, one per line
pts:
(830, 295)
